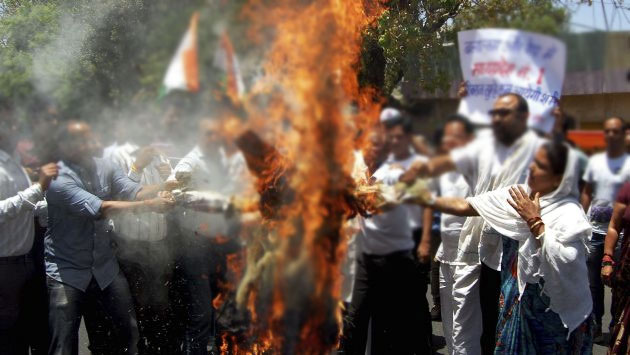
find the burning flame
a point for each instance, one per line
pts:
(313, 110)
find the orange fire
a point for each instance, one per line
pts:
(313, 110)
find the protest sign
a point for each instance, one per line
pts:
(497, 61)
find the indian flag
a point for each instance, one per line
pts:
(183, 72)
(225, 59)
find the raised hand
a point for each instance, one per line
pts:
(416, 170)
(47, 173)
(145, 156)
(525, 206)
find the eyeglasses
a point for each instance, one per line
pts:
(500, 112)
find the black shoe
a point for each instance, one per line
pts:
(436, 313)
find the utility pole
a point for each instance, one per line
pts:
(605, 17)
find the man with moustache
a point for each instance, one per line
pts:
(488, 163)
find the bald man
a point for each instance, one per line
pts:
(488, 163)
(80, 262)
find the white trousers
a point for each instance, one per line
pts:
(461, 308)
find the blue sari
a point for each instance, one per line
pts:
(528, 326)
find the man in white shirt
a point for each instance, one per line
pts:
(18, 281)
(497, 160)
(143, 252)
(402, 154)
(459, 283)
(605, 174)
(387, 290)
(207, 237)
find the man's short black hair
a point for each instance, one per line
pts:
(436, 138)
(401, 120)
(468, 127)
(521, 103)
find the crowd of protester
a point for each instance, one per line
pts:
(525, 244)
(520, 236)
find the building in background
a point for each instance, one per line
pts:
(597, 85)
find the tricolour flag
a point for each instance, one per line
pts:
(183, 72)
(226, 60)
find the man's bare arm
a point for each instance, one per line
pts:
(424, 247)
(587, 196)
(158, 204)
(432, 168)
(149, 191)
(454, 205)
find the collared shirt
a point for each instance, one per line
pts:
(390, 231)
(146, 226)
(223, 174)
(17, 207)
(109, 150)
(78, 245)
(415, 211)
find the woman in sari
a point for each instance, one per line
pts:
(545, 302)
(616, 273)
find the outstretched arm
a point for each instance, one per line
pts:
(454, 205)
(434, 167)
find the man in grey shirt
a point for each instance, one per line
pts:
(80, 261)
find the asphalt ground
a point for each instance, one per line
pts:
(597, 349)
(437, 331)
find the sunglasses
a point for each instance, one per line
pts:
(500, 112)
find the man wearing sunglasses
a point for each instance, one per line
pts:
(489, 162)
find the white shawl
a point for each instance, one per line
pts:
(561, 261)
(513, 171)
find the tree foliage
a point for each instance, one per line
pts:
(411, 39)
(87, 56)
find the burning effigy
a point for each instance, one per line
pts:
(292, 282)
(313, 110)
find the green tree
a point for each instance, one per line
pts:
(411, 39)
(87, 57)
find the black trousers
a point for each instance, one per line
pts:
(203, 267)
(436, 239)
(387, 291)
(489, 291)
(22, 307)
(149, 281)
(67, 306)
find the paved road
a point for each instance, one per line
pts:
(597, 349)
(437, 331)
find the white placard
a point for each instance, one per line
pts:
(497, 61)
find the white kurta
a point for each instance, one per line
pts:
(561, 261)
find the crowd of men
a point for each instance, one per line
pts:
(107, 220)
(96, 234)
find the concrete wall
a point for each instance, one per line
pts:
(591, 110)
